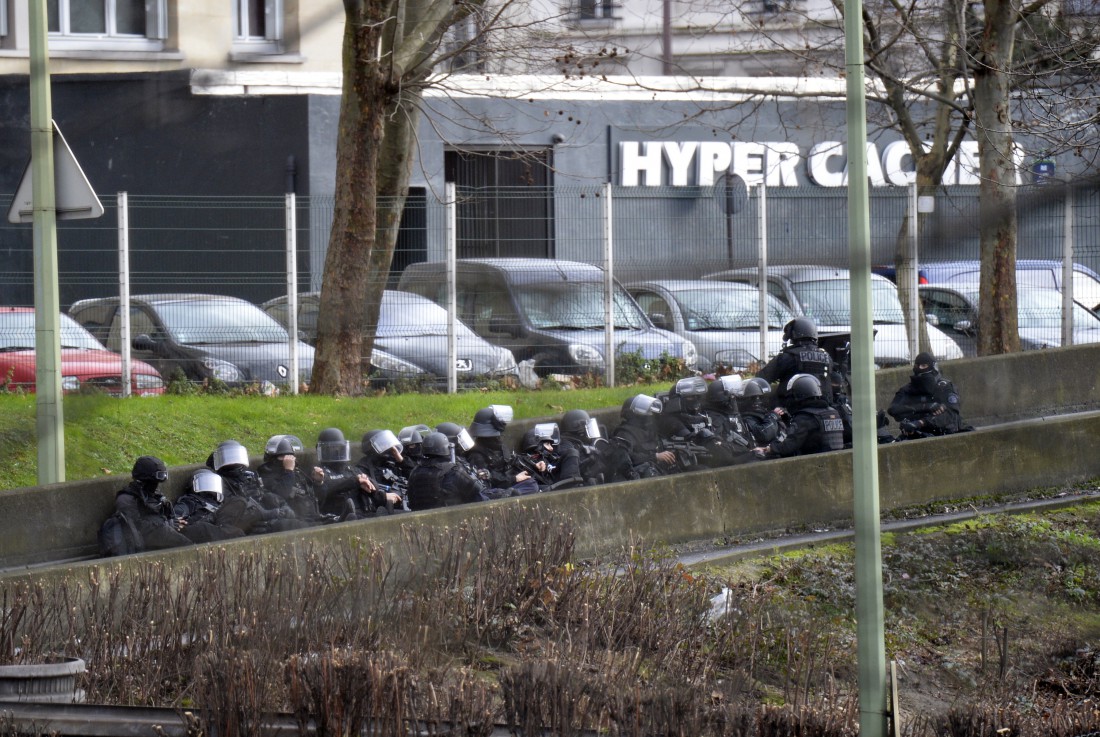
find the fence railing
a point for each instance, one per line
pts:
(212, 289)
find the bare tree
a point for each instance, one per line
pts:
(390, 49)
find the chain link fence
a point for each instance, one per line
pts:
(573, 280)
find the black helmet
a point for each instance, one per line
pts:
(332, 447)
(693, 387)
(544, 432)
(491, 421)
(149, 468)
(724, 390)
(228, 454)
(206, 482)
(377, 442)
(282, 445)
(548, 432)
(578, 422)
(802, 387)
(436, 444)
(456, 434)
(800, 329)
(412, 437)
(756, 387)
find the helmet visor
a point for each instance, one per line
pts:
(502, 413)
(230, 454)
(733, 384)
(548, 432)
(592, 428)
(643, 404)
(334, 451)
(206, 482)
(463, 440)
(384, 440)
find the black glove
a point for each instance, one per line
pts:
(911, 426)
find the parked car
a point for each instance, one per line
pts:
(1029, 272)
(546, 311)
(721, 319)
(824, 293)
(891, 273)
(206, 336)
(85, 362)
(411, 339)
(1038, 312)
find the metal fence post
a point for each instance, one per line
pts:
(451, 204)
(762, 266)
(609, 289)
(124, 290)
(1067, 268)
(292, 289)
(913, 306)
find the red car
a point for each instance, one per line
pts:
(84, 360)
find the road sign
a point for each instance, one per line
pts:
(74, 196)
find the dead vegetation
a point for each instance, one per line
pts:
(994, 626)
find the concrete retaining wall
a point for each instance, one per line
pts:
(60, 521)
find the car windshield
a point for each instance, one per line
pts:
(576, 306)
(206, 322)
(828, 301)
(17, 333)
(1042, 308)
(720, 309)
(412, 318)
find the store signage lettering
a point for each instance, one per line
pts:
(777, 163)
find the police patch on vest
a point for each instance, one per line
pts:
(952, 398)
(833, 425)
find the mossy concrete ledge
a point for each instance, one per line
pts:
(732, 502)
(48, 524)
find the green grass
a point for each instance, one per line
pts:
(104, 435)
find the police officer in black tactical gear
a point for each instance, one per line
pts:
(801, 355)
(540, 454)
(150, 512)
(439, 481)
(489, 455)
(411, 437)
(383, 461)
(200, 505)
(686, 429)
(815, 425)
(636, 441)
(343, 490)
(281, 475)
(720, 406)
(594, 453)
(765, 422)
(929, 404)
(247, 505)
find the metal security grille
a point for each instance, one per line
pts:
(504, 203)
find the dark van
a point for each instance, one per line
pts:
(546, 311)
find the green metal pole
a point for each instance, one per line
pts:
(51, 423)
(869, 610)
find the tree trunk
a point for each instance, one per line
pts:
(340, 362)
(997, 320)
(394, 170)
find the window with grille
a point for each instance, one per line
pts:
(504, 202)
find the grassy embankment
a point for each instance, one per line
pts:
(104, 435)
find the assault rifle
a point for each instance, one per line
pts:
(689, 454)
(542, 478)
(396, 485)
